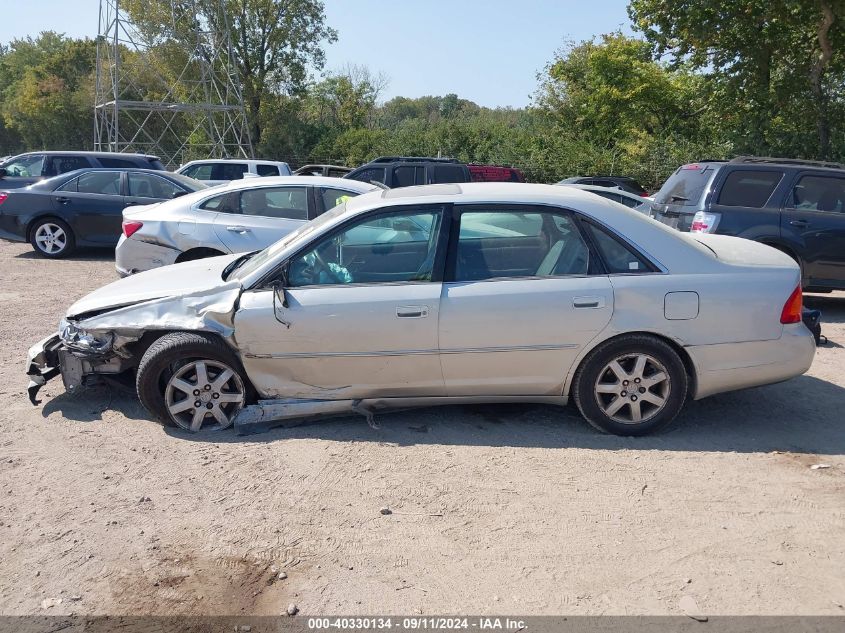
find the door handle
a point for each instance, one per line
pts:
(62, 200)
(799, 222)
(412, 312)
(588, 302)
(238, 229)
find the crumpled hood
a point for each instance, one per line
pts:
(167, 281)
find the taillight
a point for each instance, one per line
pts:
(130, 226)
(3, 197)
(703, 222)
(791, 312)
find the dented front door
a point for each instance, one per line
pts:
(341, 342)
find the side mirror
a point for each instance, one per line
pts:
(2, 172)
(179, 194)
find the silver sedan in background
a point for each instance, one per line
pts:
(478, 292)
(240, 217)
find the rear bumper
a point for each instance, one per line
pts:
(731, 366)
(135, 256)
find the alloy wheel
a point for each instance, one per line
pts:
(204, 394)
(633, 388)
(51, 238)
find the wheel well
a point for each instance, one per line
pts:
(198, 253)
(140, 348)
(783, 249)
(679, 350)
(38, 219)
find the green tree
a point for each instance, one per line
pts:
(769, 63)
(47, 91)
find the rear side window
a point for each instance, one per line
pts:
(215, 204)
(449, 173)
(63, 164)
(333, 197)
(495, 244)
(819, 193)
(276, 202)
(686, 186)
(149, 186)
(369, 175)
(408, 176)
(617, 255)
(229, 171)
(101, 182)
(747, 188)
(267, 170)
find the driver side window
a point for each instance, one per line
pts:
(396, 247)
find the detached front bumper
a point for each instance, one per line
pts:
(42, 364)
(51, 357)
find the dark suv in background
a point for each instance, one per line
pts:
(404, 171)
(25, 169)
(795, 206)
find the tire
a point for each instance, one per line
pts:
(52, 238)
(610, 396)
(170, 383)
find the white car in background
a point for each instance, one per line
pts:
(444, 294)
(243, 216)
(219, 171)
(617, 194)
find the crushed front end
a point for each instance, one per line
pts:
(80, 356)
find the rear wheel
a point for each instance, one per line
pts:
(52, 238)
(631, 385)
(193, 381)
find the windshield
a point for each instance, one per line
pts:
(189, 183)
(268, 254)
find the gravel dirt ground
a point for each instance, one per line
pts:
(517, 509)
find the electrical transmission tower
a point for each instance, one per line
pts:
(170, 87)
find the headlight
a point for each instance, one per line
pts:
(85, 341)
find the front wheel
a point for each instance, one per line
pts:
(192, 381)
(631, 385)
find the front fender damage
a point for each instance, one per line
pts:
(204, 311)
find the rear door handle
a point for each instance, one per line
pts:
(238, 229)
(588, 302)
(412, 312)
(62, 200)
(799, 222)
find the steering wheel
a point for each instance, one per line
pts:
(320, 265)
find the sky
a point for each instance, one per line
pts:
(488, 51)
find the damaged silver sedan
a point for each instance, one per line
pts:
(445, 294)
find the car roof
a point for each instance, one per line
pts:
(313, 181)
(73, 152)
(234, 160)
